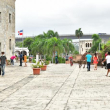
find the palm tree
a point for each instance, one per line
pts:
(51, 34)
(52, 45)
(79, 33)
(68, 46)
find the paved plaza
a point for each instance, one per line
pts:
(61, 87)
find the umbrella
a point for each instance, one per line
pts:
(13, 57)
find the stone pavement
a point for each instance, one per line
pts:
(61, 87)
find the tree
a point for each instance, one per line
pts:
(51, 34)
(18, 44)
(27, 42)
(79, 34)
(68, 46)
(95, 43)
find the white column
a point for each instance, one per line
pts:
(37, 58)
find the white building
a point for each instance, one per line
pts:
(23, 50)
(85, 45)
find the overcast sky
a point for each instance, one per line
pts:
(63, 16)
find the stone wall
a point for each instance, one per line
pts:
(7, 27)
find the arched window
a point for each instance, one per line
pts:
(88, 44)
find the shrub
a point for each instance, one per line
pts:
(33, 61)
(60, 60)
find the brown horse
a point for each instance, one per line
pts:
(83, 59)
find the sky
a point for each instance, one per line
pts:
(63, 16)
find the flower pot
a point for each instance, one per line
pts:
(36, 71)
(44, 68)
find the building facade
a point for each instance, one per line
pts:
(7, 27)
(85, 45)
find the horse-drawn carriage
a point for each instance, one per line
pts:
(83, 59)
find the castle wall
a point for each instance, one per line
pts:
(7, 27)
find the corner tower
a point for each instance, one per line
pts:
(7, 27)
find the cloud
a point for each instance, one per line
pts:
(63, 16)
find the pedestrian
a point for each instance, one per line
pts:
(25, 59)
(107, 59)
(67, 58)
(89, 57)
(56, 57)
(71, 60)
(21, 58)
(12, 59)
(95, 61)
(3, 61)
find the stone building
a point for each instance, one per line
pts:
(85, 45)
(7, 27)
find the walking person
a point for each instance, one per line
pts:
(21, 58)
(25, 59)
(89, 57)
(95, 61)
(107, 59)
(3, 61)
(67, 58)
(71, 60)
(56, 57)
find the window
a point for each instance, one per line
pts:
(82, 49)
(0, 16)
(88, 44)
(9, 18)
(0, 46)
(10, 44)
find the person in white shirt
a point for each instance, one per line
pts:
(107, 59)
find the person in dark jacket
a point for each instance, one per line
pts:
(21, 58)
(3, 61)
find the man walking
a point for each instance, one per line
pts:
(21, 58)
(107, 59)
(89, 57)
(3, 61)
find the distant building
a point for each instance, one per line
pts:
(7, 27)
(85, 45)
(24, 50)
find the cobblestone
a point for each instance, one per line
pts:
(61, 87)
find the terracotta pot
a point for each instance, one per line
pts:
(36, 71)
(44, 68)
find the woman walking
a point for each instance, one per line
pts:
(95, 61)
(25, 60)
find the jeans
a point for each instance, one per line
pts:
(20, 61)
(3, 69)
(12, 61)
(56, 60)
(88, 66)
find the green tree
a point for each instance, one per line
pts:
(18, 44)
(79, 33)
(51, 34)
(27, 42)
(68, 46)
(95, 43)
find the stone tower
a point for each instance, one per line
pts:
(7, 27)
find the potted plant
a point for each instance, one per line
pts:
(36, 68)
(44, 65)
